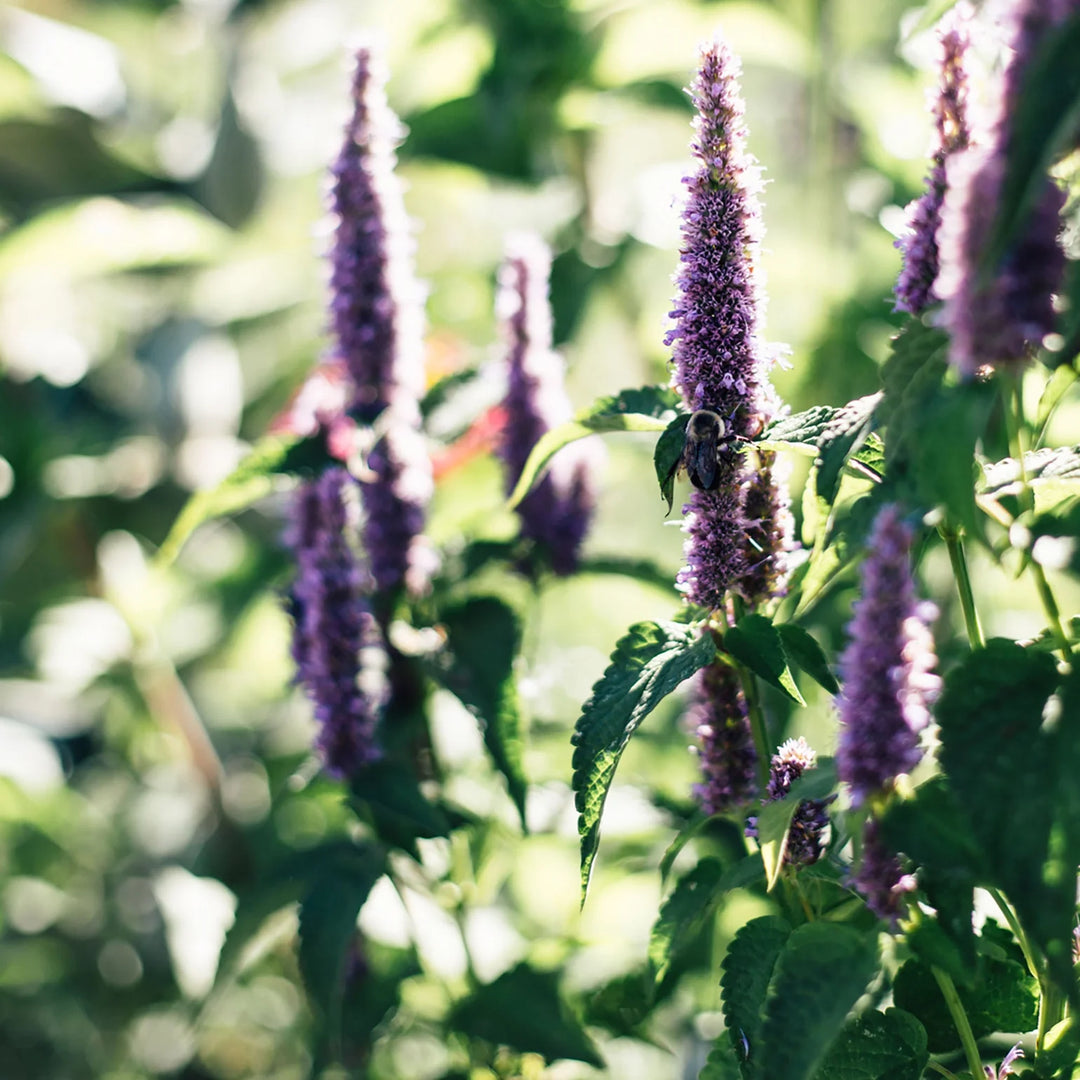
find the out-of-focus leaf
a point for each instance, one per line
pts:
(647, 664)
(802, 647)
(755, 642)
(820, 973)
(1055, 391)
(484, 636)
(632, 410)
(1052, 472)
(684, 914)
(801, 432)
(232, 182)
(722, 1063)
(523, 1009)
(622, 1005)
(387, 794)
(643, 570)
(843, 436)
(877, 1046)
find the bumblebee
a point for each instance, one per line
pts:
(707, 440)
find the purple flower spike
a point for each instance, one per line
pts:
(881, 879)
(376, 307)
(887, 667)
(999, 314)
(727, 751)
(915, 286)
(336, 642)
(806, 836)
(557, 512)
(736, 531)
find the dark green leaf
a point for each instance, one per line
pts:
(643, 570)
(386, 794)
(622, 1005)
(755, 642)
(844, 435)
(877, 1046)
(522, 1009)
(483, 636)
(1061, 1050)
(647, 664)
(632, 410)
(667, 455)
(723, 1064)
(338, 888)
(1006, 769)
(1055, 391)
(801, 432)
(254, 478)
(820, 974)
(747, 972)
(802, 647)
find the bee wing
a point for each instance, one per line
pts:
(703, 468)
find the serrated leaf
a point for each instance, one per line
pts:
(757, 644)
(747, 972)
(632, 410)
(722, 1064)
(802, 647)
(844, 435)
(523, 1009)
(647, 664)
(692, 903)
(801, 432)
(339, 886)
(774, 819)
(1005, 768)
(484, 636)
(820, 974)
(1002, 997)
(667, 455)
(253, 479)
(877, 1046)
(1052, 472)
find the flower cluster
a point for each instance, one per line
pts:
(807, 833)
(919, 244)
(999, 313)
(887, 667)
(726, 743)
(880, 878)
(337, 646)
(556, 513)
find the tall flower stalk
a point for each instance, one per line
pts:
(919, 244)
(376, 318)
(726, 748)
(999, 313)
(556, 513)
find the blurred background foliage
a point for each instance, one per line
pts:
(162, 295)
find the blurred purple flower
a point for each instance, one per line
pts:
(720, 362)
(1000, 313)
(880, 878)
(726, 743)
(557, 512)
(768, 541)
(919, 244)
(887, 667)
(376, 314)
(1006, 1069)
(336, 643)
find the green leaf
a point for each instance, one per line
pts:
(1055, 391)
(755, 642)
(747, 972)
(802, 647)
(801, 432)
(623, 1004)
(1006, 768)
(774, 819)
(877, 1046)
(1053, 473)
(722, 1063)
(820, 974)
(692, 903)
(667, 455)
(1002, 997)
(647, 664)
(254, 478)
(1061, 1050)
(340, 884)
(483, 637)
(1046, 114)
(522, 1009)
(387, 795)
(844, 435)
(632, 410)
(643, 570)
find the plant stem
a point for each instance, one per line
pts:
(951, 535)
(939, 1068)
(963, 1026)
(1014, 416)
(1018, 931)
(754, 711)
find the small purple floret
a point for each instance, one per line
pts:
(336, 643)
(887, 667)
(726, 743)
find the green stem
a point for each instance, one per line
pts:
(754, 711)
(1014, 417)
(960, 1019)
(1018, 931)
(955, 547)
(939, 1068)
